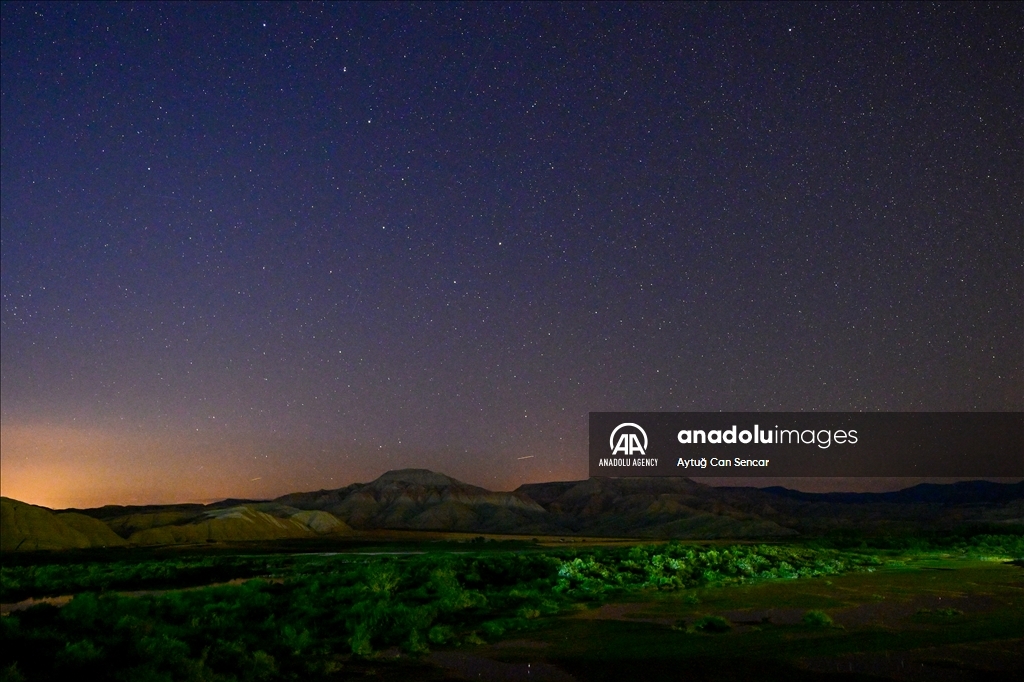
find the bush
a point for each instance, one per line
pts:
(11, 674)
(818, 619)
(712, 625)
(493, 628)
(440, 634)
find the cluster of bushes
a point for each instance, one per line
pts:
(320, 610)
(1004, 545)
(19, 582)
(991, 540)
(675, 566)
(281, 630)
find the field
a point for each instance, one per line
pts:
(434, 607)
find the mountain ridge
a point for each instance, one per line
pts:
(420, 499)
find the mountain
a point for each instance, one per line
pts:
(418, 499)
(926, 507)
(655, 507)
(962, 492)
(28, 527)
(676, 507)
(647, 507)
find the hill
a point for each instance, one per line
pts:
(28, 527)
(243, 523)
(418, 499)
(648, 507)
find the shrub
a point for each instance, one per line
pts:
(439, 634)
(493, 628)
(712, 625)
(818, 619)
(11, 674)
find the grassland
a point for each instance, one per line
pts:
(466, 607)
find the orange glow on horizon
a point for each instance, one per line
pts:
(58, 466)
(61, 466)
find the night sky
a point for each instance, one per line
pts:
(249, 249)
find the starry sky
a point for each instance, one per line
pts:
(249, 249)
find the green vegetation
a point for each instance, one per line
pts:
(712, 625)
(967, 541)
(19, 582)
(818, 619)
(303, 616)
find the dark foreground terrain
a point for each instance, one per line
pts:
(395, 608)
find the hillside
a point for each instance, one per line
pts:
(927, 507)
(28, 527)
(417, 499)
(648, 507)
(244, 523)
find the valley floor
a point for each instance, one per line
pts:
(941, 620)
(930, 615)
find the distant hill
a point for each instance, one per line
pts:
(28, 527)
(931, 507)
(647, 507)
(655, 507)
(241, 523)
(963, 492)
(418, 499)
